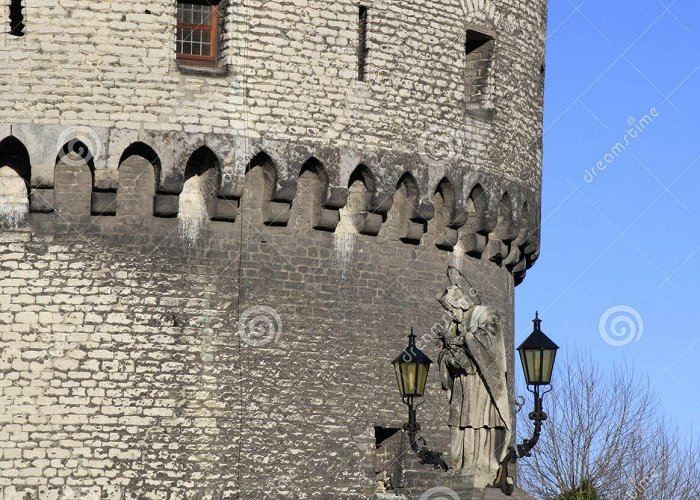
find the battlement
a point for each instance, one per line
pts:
(472, 213)
(440, 101)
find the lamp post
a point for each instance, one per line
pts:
(537, 355)
(412, 367)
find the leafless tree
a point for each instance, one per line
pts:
(605, 429)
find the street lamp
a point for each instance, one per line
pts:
(412, 367)
(537, 355)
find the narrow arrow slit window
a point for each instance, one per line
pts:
(362, 49)
(16, 18)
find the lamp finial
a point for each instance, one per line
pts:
(537, 321)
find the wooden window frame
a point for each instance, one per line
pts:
(213, 29)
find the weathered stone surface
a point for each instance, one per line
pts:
(131, 364)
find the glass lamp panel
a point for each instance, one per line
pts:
(538, 366)
(534, 365)
(547, 365)
(422, 378)
(523, 363)
(399, 378)
(409, 372)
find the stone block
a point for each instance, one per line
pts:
(166, 205)
(104, 203)
(41, 200)
(224, 210)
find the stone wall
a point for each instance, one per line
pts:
(132, 366)
(291, 75)
(128, 370)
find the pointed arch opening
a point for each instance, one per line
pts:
(411, 226)
(260, 192)
(74, 179)
(263, 164)
(361, 187)
(444, 202)
(15, 182)
(197, 199)
(313, 180)
(525, 232)
(139, 174)
(473, 235)
(504, 233)
(477, 209)
(146, 152)
(312, 188)
(504, 230)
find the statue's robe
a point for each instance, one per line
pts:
(473, 370)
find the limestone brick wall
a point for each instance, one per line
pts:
(132, 368)
(247, 355)
(291, 75)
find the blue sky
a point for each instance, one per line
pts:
(627, 240)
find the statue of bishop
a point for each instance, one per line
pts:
(473, 371)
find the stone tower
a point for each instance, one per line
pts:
(221, 220)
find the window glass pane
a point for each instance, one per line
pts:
(201, 14)
(195, 40)
(194, 13)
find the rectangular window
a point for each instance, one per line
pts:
(197, 31)
(16, 18)
(362, 49)
(478, 48)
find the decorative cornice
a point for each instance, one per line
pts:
(478, 213)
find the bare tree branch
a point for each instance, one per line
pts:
(605, 429)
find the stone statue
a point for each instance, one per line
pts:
(473, 370)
